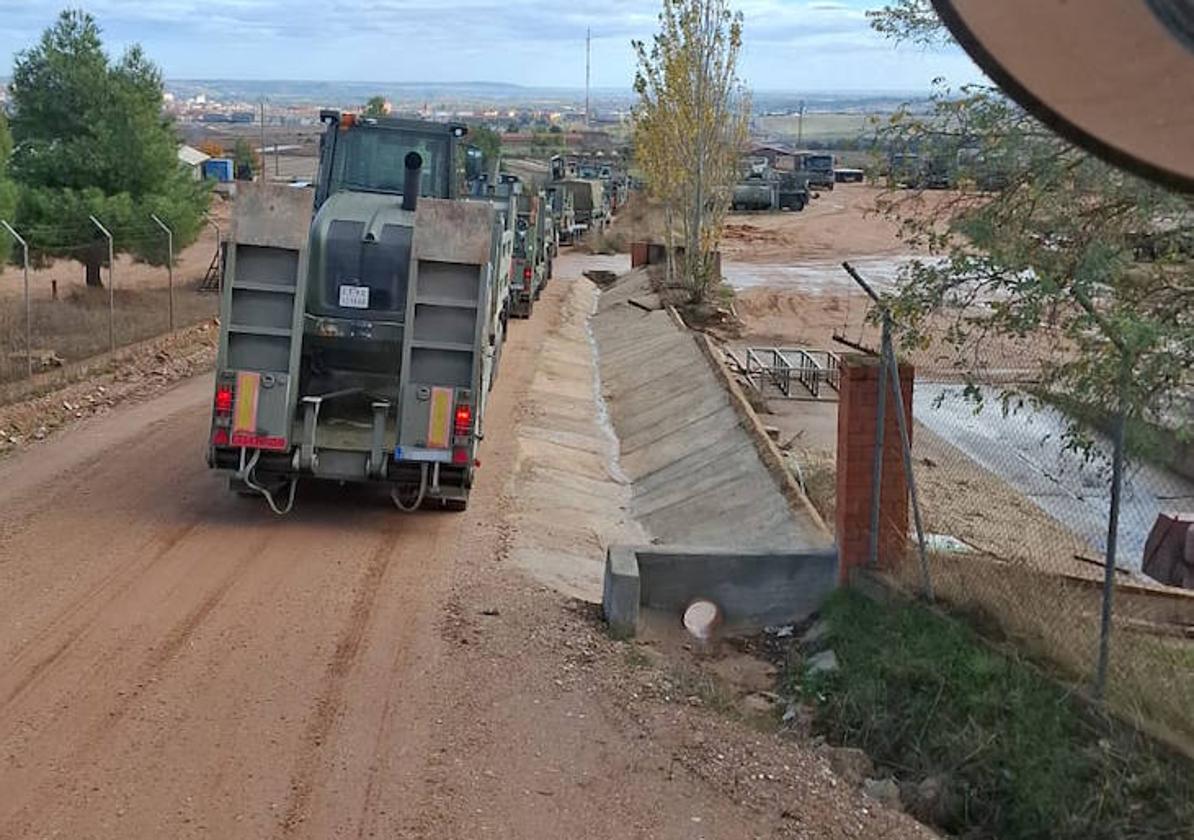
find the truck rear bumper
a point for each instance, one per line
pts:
(449, 481)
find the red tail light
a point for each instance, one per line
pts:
(526, 273)
(464, 419)
(459, 455)
(219, 437)
(224, 399)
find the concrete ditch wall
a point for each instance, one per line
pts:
(696, 473)
(752, 588)
(567, 494)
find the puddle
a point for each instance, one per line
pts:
(816, 276)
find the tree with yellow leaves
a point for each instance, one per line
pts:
(690, 126)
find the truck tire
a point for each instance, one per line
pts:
(455, 505)
(497, 353)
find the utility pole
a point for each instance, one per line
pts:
(588, 68)
(263, 139)
(800, 128)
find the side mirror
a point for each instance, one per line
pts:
(474, 163)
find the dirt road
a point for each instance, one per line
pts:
(176, 662)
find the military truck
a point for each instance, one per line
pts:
(757, 187)
(588, 204)
(817, 167)
(529, 267)
(361, 332)
(563, 213)
(793, 191)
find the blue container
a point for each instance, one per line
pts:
(218, 169)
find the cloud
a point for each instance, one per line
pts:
(793, 43)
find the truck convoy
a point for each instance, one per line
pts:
(360, 334)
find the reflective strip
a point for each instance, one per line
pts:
(244, 415)
(276, 444)
(439, 427)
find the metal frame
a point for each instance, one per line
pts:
(780, 366)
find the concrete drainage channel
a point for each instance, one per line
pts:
(641, 483)
(722, 525)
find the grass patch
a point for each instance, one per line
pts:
(1021, 756)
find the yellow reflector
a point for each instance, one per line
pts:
(439, 428)
(244, 416)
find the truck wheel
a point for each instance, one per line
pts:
(497, 357)
(456, 505)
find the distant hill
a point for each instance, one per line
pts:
(476, 93)
(335, 93)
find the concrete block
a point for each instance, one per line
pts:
(752, 588)
(621, 593)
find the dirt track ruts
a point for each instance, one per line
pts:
(176, 662)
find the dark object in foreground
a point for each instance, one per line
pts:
(1169, 550)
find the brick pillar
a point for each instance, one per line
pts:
(856, 419)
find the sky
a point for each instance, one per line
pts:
(794, 45)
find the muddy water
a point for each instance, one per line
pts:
(815, 276)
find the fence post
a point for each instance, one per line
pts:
(169, 263)
(28, 306)
(877, 465)
(1118, 435)
(880, 423)
(111, 286)
(926, 580)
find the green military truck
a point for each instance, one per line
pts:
(360, 332)
(532, 259)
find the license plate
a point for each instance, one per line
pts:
(354, 297)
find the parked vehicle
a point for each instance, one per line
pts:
(793, 191)
(757, 188)
(817, 167)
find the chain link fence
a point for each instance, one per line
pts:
(1015, 515)
(56, 318)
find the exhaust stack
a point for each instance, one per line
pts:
(414, 178)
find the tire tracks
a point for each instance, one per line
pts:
(160, 656)
(119, 580)
(330, 700)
